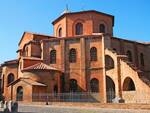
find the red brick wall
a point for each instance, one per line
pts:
(122, 46)
(90, 21)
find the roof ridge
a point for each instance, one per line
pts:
(40, 66)
(86, 11)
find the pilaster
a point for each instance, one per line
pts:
(83, 64)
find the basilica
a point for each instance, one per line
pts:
(81, 56)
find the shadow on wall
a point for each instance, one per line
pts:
(67, 97)
(74, 94)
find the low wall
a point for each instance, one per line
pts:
(136, 97)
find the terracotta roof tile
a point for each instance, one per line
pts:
(28, 81)
(40, 66)
(32, 82)
(10, 62)
(82, 12)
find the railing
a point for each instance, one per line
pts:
(66, 97)
(127, 96)
(110, 96)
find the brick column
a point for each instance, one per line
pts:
(136, 55)
(119, 77)
(63, 63)
(45, 52)
(103, 95)
(62, 44)
(83, 64)
(122, 51)
(59, 82)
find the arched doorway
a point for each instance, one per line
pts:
(19, 95)
(73, 85)
(55, 89)
(63, 83)
(110, 89)
(94, 85)
(128, 85)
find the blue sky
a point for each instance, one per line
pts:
(132, 19)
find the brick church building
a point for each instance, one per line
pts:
(81, 56)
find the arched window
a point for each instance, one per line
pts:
(102, 28)
(60, 32)
(109, 62)
(128, 85)
(93, 54)
(19, 94)
(26, 51)
(79, 29)
(53, 56)
(129, 54)
(10, 78)
(142, 59)
(94, 84)
(72, 55)
(73, 85)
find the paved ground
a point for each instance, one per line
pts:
(61, 109)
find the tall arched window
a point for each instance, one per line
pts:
(60, 32)
(10, 78)
(109, 62)
(128, 85)
(129, 54)
(73, 85)
(102, 28)
(19, 94)
(142, 59)
(79, 29)
(26, 51)
(72, 55)
(93, 54)
(94, 84)
(53, 56)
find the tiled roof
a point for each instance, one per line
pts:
(33, 83)
(131, 41)
(32, 58)
(40, 66)
(10, 62)
(82, 12)
(28, 81)
(38, 34)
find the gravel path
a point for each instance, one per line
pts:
(61, 109)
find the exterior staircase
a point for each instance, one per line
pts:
(140, 73)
